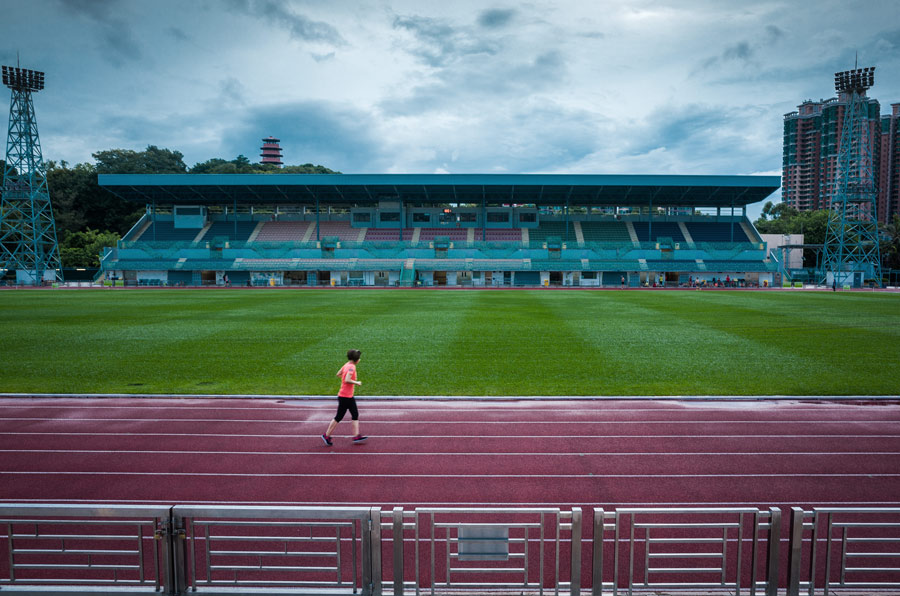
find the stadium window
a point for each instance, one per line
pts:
(390, 216)
(468, 217)
(498, 217)
(362, 217)
(528, 217)
(421, 217)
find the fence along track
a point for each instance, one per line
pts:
(175, 550)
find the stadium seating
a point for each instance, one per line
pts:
(454, 234)
(165, 231)
(605, 231)
(661, 229)
(499, 235)
(337, 229)
(233, 231)
(283, 231)
(716, 232)
(549, 229)
(388, 234)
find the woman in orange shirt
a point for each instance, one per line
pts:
(346, 401)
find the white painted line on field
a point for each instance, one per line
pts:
(469, 437)
(442, 406)
(377, 476)
(465, 397)
(366, 420)
(359, 453)
(390, 504)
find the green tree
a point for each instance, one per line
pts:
(80, 203)
(782, 219)
(152, 160)
(82, 249)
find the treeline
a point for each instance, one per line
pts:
(89, 217)
(781, 218)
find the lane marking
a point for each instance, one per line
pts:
(300, 436)
(389, 504)
(442, 406)
(376, 476)
(445, 422)
(455, 453)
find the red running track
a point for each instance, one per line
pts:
(565, 453)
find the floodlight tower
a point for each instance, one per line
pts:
(851, 236)
(27, 229)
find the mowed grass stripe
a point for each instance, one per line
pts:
(451, 343)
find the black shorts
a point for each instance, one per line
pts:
(344, 404)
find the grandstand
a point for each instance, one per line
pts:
(433, 230)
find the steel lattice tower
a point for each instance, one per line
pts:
(27, 230)
(851, 237)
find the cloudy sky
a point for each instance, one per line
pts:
(630, 86)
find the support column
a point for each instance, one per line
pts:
(317, 215)
(650, 222)
(484, 216)
(732, 220)
(567, 219)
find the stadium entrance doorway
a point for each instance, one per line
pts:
(294, 278)
(207, 278)
(440, 278)
(556, 278)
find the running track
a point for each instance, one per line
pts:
(565, 453)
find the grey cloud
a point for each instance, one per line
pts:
(300, 27)
(322, 57)
(707, 134)
(339, 137)
(496, 18)
(439, 43)
(475, 80)
(889, 40)
(774, 33)
(232, 89)
(118, 42)
(739, 51)
(178, 34)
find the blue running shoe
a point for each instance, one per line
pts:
(359, 438)
(327, 440)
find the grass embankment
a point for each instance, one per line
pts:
(451, 343)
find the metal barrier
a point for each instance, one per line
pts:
(84, 549)
(854, 540)
(262, 550)
(696, 540)
(511, 543)
(176, 550)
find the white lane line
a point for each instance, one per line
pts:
(377, 476)
(421, 436)
(446, 422)
(512, 407)
(458, 453)
(390, 504)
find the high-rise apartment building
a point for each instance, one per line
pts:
(812, 137)
(889, 166)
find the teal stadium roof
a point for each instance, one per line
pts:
(540, 189)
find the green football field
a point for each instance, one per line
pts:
(451, 342)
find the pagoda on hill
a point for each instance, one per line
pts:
(271, 151)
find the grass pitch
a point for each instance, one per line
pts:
(451, 342)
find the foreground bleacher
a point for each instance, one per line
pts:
(218, 549)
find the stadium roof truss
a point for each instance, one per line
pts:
(361, 189)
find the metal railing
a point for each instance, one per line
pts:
(260, 549)
(87, 549)
(686, 548)
(847, 548)
(511, 548)
(176, 550)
